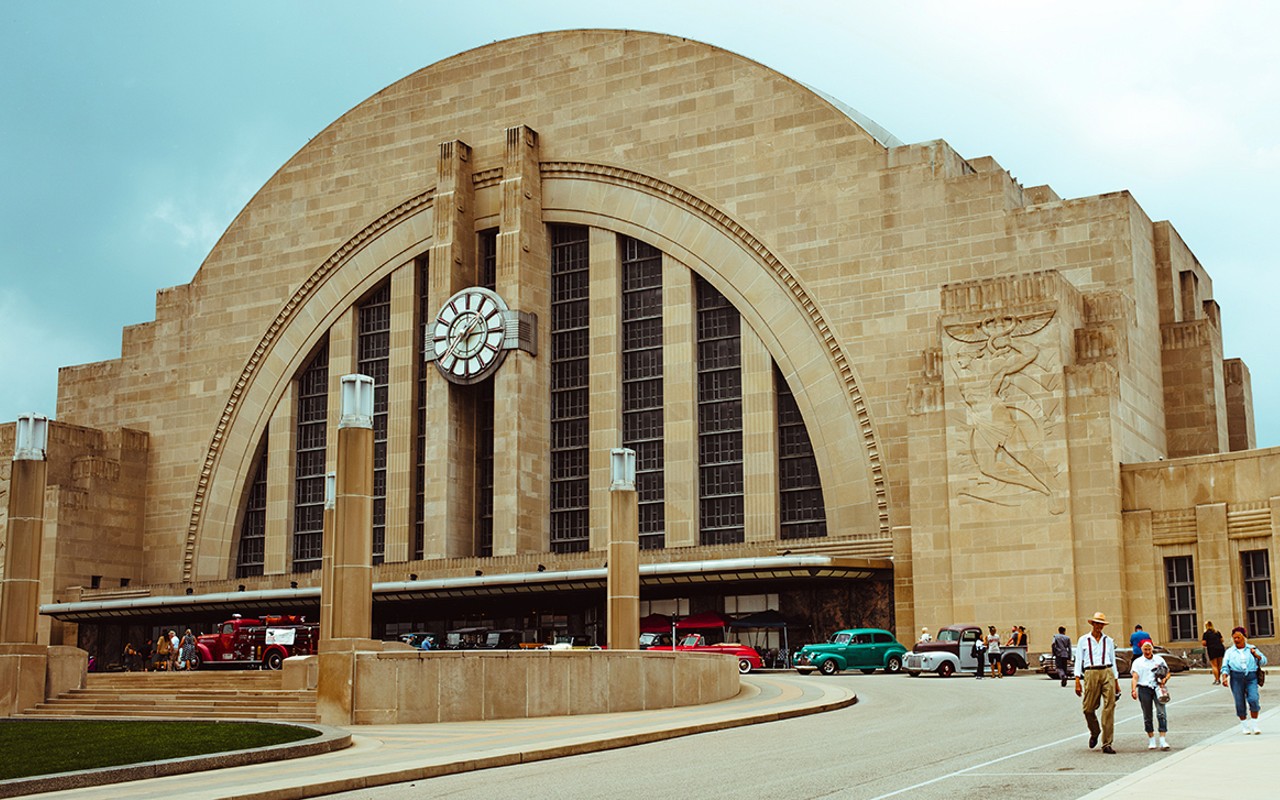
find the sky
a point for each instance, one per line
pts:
(132, 133)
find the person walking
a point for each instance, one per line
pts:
(1061, 653)
(1137, 638)
(1098, 682)
(1150, 675)
(993, 651)
(1240, 665)
(1211, 639)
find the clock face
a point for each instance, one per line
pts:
(467, 335)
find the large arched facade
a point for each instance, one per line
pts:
(868, 382)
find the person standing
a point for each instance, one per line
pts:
(1240, 666)
(924, 635)
(1098, 682)
(980, 656)
(1211, 639)
(993, 651)
(162, 652)
(1061, 653)
(175, 650)
(1137, 638)
(1150, 674)
(188, 656)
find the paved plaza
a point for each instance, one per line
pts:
(851, 736)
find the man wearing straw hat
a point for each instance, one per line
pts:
(1096, 666)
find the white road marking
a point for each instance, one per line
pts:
(1021, 753)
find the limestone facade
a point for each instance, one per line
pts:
(988, 375)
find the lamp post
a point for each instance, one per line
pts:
(20, 592)
(346, 592)
(23, 662)
(623, 579)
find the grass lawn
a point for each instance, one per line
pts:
(43, 747)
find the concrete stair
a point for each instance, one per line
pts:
(200, 695)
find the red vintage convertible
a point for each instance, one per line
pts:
(748, 658)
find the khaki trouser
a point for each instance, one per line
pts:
(1100, 686)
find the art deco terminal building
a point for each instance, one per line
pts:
(867, 382)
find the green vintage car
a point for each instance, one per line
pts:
(865, 649)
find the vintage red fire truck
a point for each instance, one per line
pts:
(257, 642)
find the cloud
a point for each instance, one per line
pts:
(188, 225)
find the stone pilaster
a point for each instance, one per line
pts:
(523, 384)
(402, 412)
(759, 441)
(282, 452)
(605, 382)
(680, 404)
(449, 482)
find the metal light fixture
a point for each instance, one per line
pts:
(622, 469)
(330, 489)
(32, 437)
(357, 402)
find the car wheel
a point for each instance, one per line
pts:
(744, 666)
(1009, 668)
(894, 665)
(829, 667)
(945, 669)
(273, 660)
(194, 662)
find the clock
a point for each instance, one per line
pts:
(468, 337)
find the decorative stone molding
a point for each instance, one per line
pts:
(331, 265)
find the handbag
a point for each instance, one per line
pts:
(1262, 673)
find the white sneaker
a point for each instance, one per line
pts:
(1253, 724)
(1151, 744)
(1244, 727)
(1163, 744)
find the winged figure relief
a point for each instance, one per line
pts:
(1003, 406)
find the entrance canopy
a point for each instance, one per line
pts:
(141, 604)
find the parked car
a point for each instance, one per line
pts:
(748, 658)
(864, 649)
(423, 640)
(1124, 657)
(648, 640)
(952, 652)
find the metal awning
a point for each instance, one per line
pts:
(732, 570)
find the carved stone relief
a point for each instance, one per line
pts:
(1008, 407)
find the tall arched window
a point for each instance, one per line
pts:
(642, 393)
(374, 359)
(251, 555)
(720, 484)
(309, 466)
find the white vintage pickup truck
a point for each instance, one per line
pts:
(952, 652)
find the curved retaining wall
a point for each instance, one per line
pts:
(398, 686)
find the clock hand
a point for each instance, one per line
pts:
(466, 333)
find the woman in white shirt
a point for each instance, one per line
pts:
(1150, 673)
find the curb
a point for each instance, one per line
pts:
(533, 755)
(329, 740)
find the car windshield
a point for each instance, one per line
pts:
(946, 635)
(840, 638)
